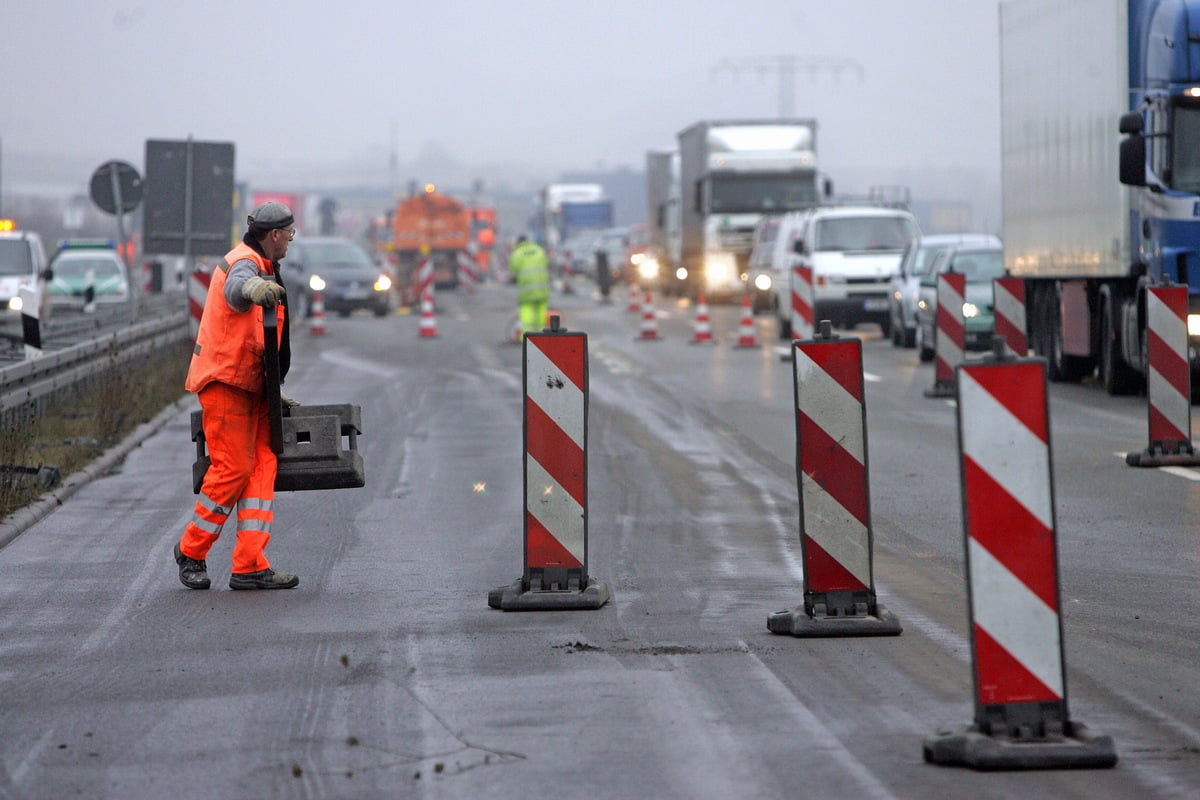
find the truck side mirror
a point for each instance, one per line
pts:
(1133, 160)
(698, 198)
(1131, 122)
(828, 187)
(798, 247)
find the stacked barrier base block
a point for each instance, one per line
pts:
(320, 449)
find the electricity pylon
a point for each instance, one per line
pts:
(785, 68)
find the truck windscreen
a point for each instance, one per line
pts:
(14, 257)
(732, 194)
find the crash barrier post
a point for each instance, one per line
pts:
(832, 476)
(951, 332)
(1168, 381)
(317, 324)
(1021, 719)
(702, 330)
(649, 331)
(801, 318)
(428, 327)
(747, 336)
(89, 291)
(1008, 298)
(197, 294)
(31, 318)
(307, 440)
(555, 372)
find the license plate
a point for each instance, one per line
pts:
(355, 294)
(875, 304)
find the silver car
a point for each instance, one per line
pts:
(904, 290)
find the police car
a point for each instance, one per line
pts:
(86, 271)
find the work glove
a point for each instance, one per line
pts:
(262, 292)
(287, 401)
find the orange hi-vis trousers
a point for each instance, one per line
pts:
(242, 475)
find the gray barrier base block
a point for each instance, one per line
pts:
(1157, 458)
(517, 598)
(798, 622)
(942, 389)
(1079, 749)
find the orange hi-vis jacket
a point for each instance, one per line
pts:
(229, 346)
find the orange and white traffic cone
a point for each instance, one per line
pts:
(635, 305)
(649, 321)
(428, 328)
(702, 332)
(746, 334)
(317, 324)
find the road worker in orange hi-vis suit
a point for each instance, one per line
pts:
(227, 373)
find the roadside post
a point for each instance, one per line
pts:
(1168, 381)
(951, 332)
(555, 577)
(1021, 716)
(835, 514)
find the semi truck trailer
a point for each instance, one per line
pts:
(1100, 169)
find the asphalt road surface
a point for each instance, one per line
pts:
(386, 674)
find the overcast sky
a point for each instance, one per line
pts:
(544, 85)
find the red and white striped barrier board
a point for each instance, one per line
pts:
(802, 303)
(835, 515)
(1008, 298)
(951, 332)
(1168, 381)
(424, 276)
(197, 294)
(1021, 719)
(556, 403)
(469, 271)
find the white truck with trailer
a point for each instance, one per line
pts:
(732, 174)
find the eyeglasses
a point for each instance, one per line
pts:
(291, 232)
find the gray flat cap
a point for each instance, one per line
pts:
(270, 215)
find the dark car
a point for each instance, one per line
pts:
(981, 265)
(342, 271)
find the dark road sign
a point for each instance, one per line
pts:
(128, 184)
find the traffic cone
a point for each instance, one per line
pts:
(428, 328)
(317, 324)
(649, 321)
(746, 334)
(702, 333)
(635, 305)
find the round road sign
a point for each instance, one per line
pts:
(128, 183)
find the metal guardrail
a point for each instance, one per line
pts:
(27, 386)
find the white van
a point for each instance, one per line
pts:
(22, 260)
(853, 251)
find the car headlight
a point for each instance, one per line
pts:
(1193, 324)
(648, 268)
(762, 281)
(970, 310)
(16, 303)
(681, 273)
(316, 283)
(383, 283)
(720, 269)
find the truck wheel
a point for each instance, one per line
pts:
(1117, 376)
(1060, 367)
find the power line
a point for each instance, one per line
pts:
(785, 68)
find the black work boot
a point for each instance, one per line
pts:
(192, 573)
(263, 579)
